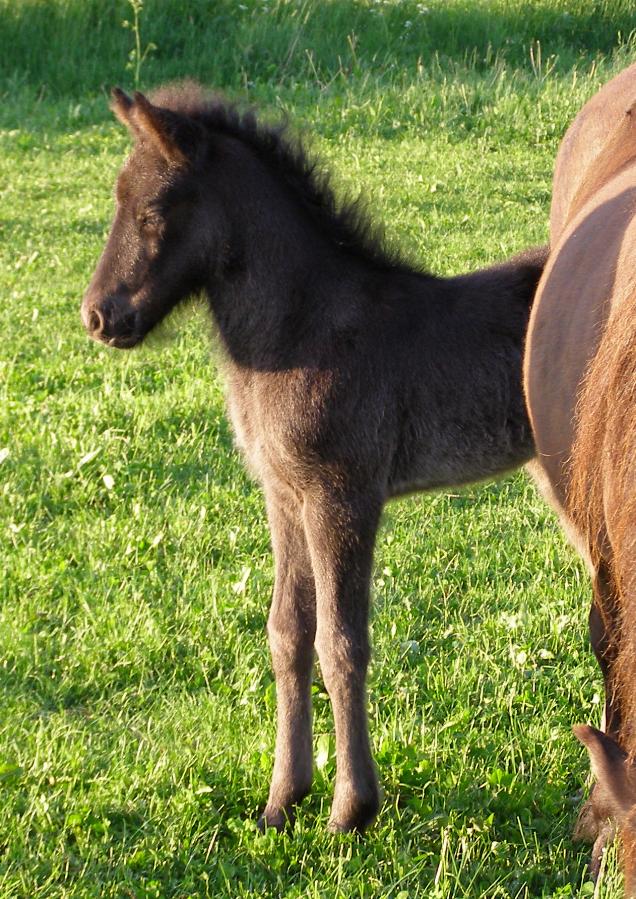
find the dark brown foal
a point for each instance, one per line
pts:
(351, 378)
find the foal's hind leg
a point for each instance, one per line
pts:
(592, 824)
(340, 533)
(291, 629)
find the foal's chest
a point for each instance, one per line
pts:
(276, 417)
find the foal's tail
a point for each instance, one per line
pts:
(602, 492)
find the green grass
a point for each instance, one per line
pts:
(136, 696)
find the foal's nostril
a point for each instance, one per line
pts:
(111, 319)
(95, 322)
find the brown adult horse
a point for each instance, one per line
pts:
(615, 792)
(584, 140)
(580, 380)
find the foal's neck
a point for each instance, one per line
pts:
(295, 286)
(296, 277)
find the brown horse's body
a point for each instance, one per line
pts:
(580, 380)
(585, 139)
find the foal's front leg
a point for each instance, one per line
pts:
(340, 532)
(291, 629)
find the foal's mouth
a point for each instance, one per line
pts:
(122, 341)
(123, 333)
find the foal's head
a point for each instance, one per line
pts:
(207, 194)
(163, 234)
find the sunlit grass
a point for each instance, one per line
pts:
(137, 722)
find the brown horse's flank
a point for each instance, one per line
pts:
(580, 379)
(351, 377)
(617, 153)
(585, 140)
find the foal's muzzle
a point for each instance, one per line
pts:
(111, 321)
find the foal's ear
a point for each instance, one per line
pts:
(121, 105)
(611, 768)
(161, 127)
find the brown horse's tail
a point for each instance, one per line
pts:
(602, 493)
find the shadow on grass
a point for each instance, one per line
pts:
(217, 851)
(79, 46)
(59, 60)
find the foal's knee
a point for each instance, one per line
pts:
(290, 642)
(343, 656)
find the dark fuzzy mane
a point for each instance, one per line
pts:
(344, 221)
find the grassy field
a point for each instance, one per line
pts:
(136, 696)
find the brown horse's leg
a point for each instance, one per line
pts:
(592, 824)
(341, 534)
(291, 629)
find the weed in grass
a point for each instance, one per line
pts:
(137, 56)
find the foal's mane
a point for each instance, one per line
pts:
(343, 220)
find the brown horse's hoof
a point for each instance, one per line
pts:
(592, 827)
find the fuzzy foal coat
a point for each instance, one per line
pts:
(351, 378)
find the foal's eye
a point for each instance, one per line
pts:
(148, 221)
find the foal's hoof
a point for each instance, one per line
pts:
(354, 817)
(277, 819)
